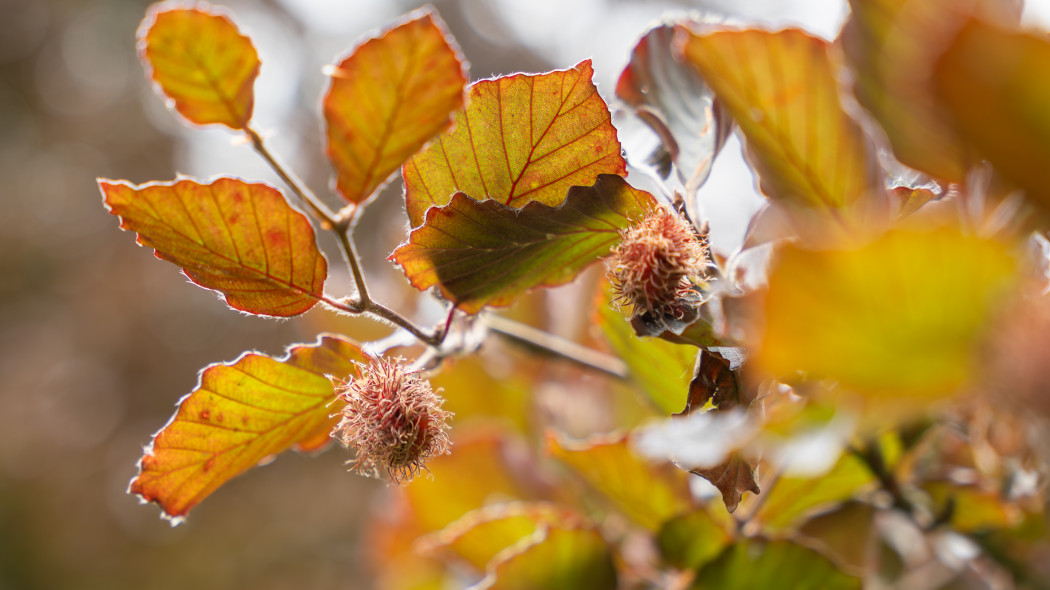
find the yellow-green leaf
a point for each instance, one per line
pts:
(521, 139)
(755, 563)
(390, 96)
(201, 62)
(240, 239)
(646, 493)
(782, 92)
(901, 317)
(560, 558)
(240, 414)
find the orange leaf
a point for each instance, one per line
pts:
(483, 253)
(993, 81)
(240, 414)
(201, 62)
(781, 90)
(891, 46)
(522, 138)
(240, 239)
(389, 97)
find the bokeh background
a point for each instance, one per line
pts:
(98, 339)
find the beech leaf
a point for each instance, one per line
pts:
(756, 563)
(240, 239)
(900, 319)
(647, 493)
(993, 82)
(520, 139)
(732, 477)
(891, 46)
(554, 558)
(661, 369)
(391, 95)
(201, 62)
(484, 253)
(781, 91)
(676, 104)
(241, 413)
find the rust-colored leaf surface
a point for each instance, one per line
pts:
(521, 138)
(391, 95)
(240, 239)
(732, 477)
(781, 90)
(994, 83)
(891, 46)
(201, 62)
(240, 414)
(482, 253)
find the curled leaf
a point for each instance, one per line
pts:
(484, 253)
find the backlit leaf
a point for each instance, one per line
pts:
(391, 95)
(781, 91)
(673, 101)
(240, 239)
(900, 317)
(485, 467)
(846, 535)
(480, 535)
(994, 83)
(647, 493)
(201, 62)
(521, 138)
(794, 497)
(691, 540)
(484, 253)
(242, 413)
(891, 46)
(662, 370)
(754, 563)
(559, 558)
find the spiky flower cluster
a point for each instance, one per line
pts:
(392, 420)
(657, 264)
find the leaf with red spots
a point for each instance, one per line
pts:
(201, 62)
(389, 97)
(240, 239)
(242, 413)
(484, 253)
(521, 138)
(780, 88)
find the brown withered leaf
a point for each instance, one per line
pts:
(715, 380)
(732, 477)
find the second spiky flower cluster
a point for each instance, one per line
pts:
(657, 265)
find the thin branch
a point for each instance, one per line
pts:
(324, 215)
(354, 263)
(554, 346)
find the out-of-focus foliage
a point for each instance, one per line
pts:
(838, 407)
